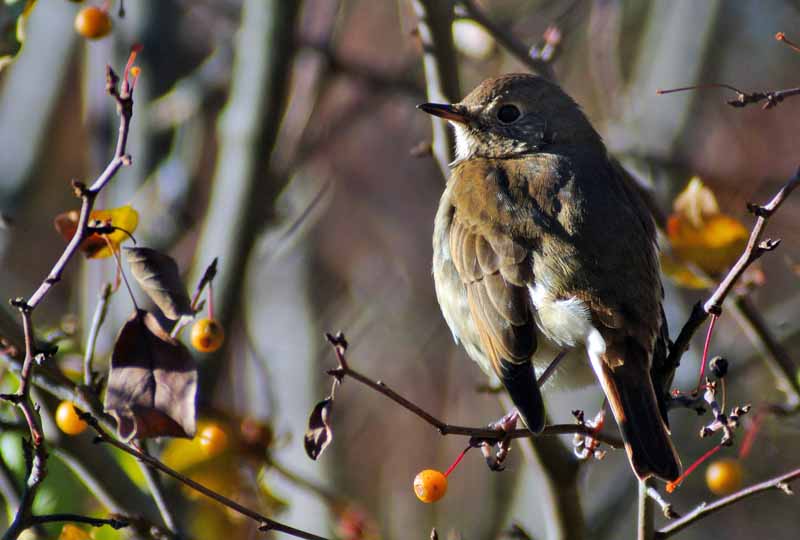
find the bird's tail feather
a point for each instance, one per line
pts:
(519, 378)
(626, 382)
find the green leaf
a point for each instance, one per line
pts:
(13, 14)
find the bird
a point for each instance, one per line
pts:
(545, 260)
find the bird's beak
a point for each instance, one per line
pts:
(454, 113)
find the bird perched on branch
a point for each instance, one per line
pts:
(542, 246)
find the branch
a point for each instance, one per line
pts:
(770, 98)
(776, 357)
(504, 38)
(37, 464)
(645, 524)
(780, 483)
(441, 71)
(755, 248)
(157, 491)
(91, 340)
(344, 370)
(114, 522)
(265, 523)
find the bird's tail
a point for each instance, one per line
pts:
(519, 378)
(624, 375)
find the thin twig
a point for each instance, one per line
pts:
(440, 64)
(265, 523)
(780, 483)
(114, 523)
(507, 41)
(489, 434)
(775, 355)
(91, 340)
(157, 492)
(89, 480)
(205, 279)
(755, 248)
(645, 524)
(123, 95)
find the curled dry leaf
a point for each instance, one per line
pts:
(159, 277)
(702, 236)
(152, 382)
(319, 434)
(124, 218)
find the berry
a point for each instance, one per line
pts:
(93, 22)
(430, 485)
(724, 476)
(719, 366)
(207, 335)
(68, 420)
(213, 439)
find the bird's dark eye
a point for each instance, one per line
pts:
(508, 114)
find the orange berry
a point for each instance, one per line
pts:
(724, 476)
(68, 420)
(207, 335)
(430, 485)
(213, 439)
(93, 22)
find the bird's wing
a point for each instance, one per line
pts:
(496, 269)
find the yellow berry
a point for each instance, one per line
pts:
(213, 439)
(430, 485)
(68, 420)
(207, 335)
(93, 22)
(724, 476)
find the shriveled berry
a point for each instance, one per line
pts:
(719, 366)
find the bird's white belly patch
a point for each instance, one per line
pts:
(566, 323)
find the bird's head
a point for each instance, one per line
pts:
(514, 115)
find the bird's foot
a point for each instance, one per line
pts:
(585, 445)
(495, 459)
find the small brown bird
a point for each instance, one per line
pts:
(542, 246)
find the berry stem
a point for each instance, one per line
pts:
(705, 352)
(674, 484)
(457, 461)
(750, 434)
(210, 297)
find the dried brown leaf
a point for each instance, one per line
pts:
(159, 277)
(152, 382)
(319, 434)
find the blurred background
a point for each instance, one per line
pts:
(282, 137)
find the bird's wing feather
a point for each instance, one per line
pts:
(496, 269)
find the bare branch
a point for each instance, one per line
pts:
(754, 249)
(780, 483)
(504, 38)
(441, 70)
(91, 340)
(123, 95)
(114, 522)
(344, 370)
(265, 523)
